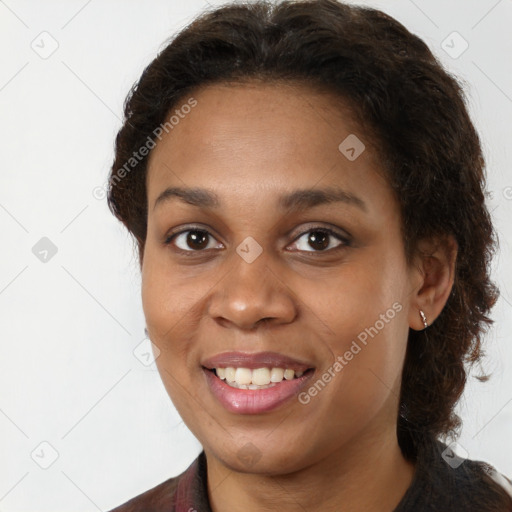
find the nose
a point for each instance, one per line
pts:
(253, 293)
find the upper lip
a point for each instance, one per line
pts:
(255, 360)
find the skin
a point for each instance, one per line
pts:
(250, 143)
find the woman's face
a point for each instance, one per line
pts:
(242, 273)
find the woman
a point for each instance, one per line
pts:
(306, 190)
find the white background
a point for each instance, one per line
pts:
(68, 374)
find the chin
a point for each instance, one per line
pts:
(258, 456)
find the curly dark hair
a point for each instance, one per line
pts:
(415, 111)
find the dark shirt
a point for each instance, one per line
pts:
(450, 485)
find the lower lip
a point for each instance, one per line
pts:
(255, 401)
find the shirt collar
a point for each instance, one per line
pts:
(192, 490)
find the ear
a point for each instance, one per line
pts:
(433, 274)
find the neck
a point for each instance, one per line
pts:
(369, 474)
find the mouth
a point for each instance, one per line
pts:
(255, 383)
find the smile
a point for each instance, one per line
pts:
(257, 383)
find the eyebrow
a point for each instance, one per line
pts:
(300, 199)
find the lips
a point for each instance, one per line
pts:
(255, 401)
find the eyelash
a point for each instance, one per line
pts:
(345, 241)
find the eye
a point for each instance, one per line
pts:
(191, 240)
(321, 240)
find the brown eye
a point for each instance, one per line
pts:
(191, 240)
(197, 239)
(320, 240)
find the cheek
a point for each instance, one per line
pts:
(165, 295)
(167, 314)
(353, 298)
(365, 311)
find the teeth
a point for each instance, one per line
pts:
(276, 375)
(289, 374)
(243, 376)
(230, 374)
(260, 378)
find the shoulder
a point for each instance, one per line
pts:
(504, 482)
(474, 474)
(445, 481)
(185, 491)
(160, 497)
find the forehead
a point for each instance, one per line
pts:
(254, 138)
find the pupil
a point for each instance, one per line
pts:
(199, 238)
(319, 238)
